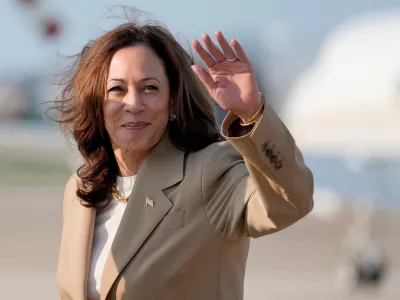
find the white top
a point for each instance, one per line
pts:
(107, 223)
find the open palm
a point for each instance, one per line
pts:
(230, 78)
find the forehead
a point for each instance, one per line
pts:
(135, 62)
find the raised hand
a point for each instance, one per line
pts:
(230, 78)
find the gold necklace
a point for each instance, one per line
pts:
(117, 195)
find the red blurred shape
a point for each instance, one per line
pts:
(52, 28)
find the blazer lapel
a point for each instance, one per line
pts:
(162, 169)
(80, 248)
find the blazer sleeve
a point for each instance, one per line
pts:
(260, 185)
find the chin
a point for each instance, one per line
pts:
(142, 140)
(139, 144)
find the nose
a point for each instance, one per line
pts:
(133, 102)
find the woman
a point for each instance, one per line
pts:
(163, 207)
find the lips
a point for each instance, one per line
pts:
(135, 125)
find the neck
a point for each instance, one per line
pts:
(129, 161)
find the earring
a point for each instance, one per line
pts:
(172, 118)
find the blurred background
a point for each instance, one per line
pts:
(331, 69)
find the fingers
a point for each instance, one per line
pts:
(212, 48)
(214, 55)
(204, 55)
(241, 55)
(205, 77)
(228, 51)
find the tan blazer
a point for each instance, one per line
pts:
(193, 243)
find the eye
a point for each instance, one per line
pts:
(116, 89)
(149, 88)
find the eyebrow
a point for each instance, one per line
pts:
(143, 79)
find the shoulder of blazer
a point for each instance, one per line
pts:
(70, 191)
(71, 185)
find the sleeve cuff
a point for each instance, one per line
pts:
(231, 127)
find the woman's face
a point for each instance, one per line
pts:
(136, 106)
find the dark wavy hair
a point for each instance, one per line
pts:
(80, 103)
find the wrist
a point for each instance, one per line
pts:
(253, 115)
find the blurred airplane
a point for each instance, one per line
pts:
(345, 114)
(345, 110)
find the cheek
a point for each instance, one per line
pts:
(160, 108)
(161, 117)
(110, 111)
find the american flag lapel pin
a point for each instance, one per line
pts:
(149, 202)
